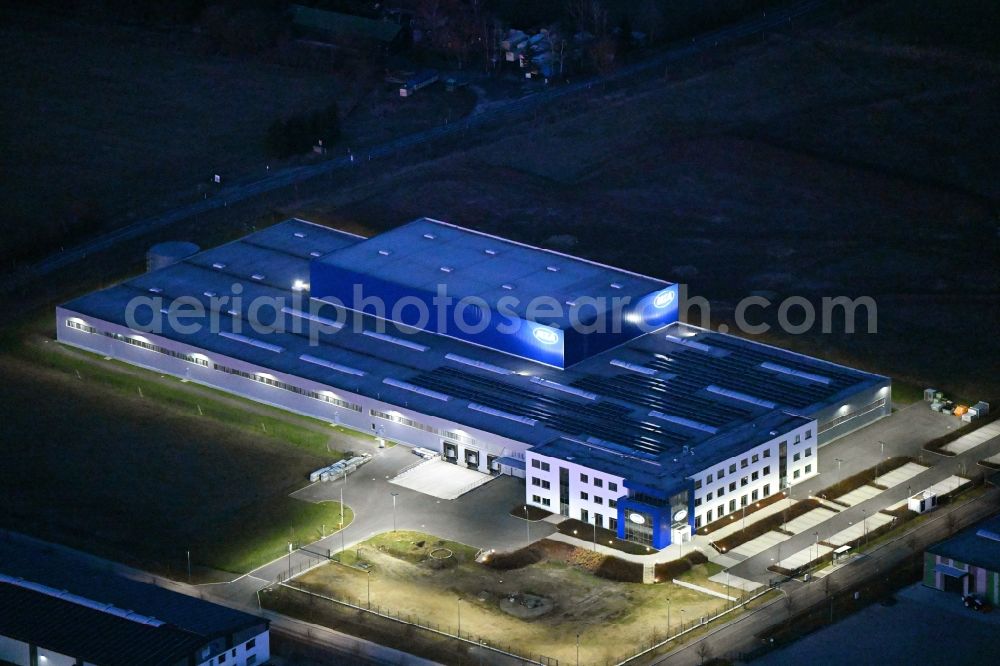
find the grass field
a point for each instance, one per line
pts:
(139, 467)
(610, 617)
(108, 121)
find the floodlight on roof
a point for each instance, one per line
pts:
(300, 285)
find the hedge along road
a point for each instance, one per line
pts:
(293, 176)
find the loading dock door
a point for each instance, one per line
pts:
(492, 465)
(450, 452)
(472, 459)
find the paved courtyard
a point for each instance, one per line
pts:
(441, 479)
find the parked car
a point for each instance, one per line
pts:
(975, 603)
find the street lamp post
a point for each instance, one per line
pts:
(289, 560)
(839, 462)
(369, 589)
(880, 456)
(668, 617)
(394, 495)
(460, 618)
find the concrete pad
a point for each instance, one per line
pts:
(758, 545)
(974, 438)
(948, 485)
(735, 582)
(900, 475)
(805, 556)
(859, 495)
(808, 520)
(857, 530)
(736, 522)
(438, 478)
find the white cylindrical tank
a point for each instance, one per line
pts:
(164, 254)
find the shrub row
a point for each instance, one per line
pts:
(605, 566)
(674, 568)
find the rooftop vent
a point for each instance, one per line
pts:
(415, 346)
(572, 390)
(260, 344)
(447, 269)
(634, 367)
(218, 265)
(315, 360)
(257, 276)
(553, 269)
(155, 290)
(508, 287)
(430, 236)
(504, 415)
(413, 388)
(616, 285)
(210, 294)
(299, 234)
(492, 253)
(315, 253)
(312, 317)
(988, 534)
(482, 365)
(384, 253)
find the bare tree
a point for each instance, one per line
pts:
(704, 651)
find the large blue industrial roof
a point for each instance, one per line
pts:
(426, 253)
(677, 387)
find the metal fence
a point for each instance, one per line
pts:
(441, 629)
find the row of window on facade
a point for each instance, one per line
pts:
(584, 478)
